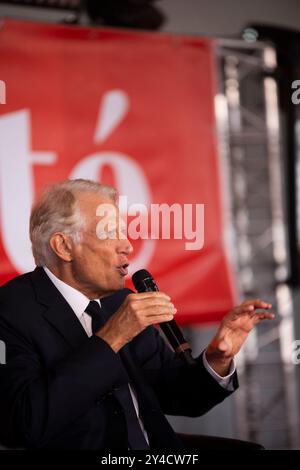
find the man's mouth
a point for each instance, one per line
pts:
(123, 269)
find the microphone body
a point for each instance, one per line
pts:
(144, 282)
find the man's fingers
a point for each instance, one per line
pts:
(159, 311)
(250, 306)
(160, 318)
(242, 310)
(251, 312)
(264, 316)
(151, 303)
(148, 295)
(257, 303)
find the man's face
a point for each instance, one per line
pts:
(100, 265)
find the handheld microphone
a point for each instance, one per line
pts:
(144, 282)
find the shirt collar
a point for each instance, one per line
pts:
(76, 299)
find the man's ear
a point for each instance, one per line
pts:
(61, 244)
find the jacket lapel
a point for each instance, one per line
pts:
(60, 315)
(57, 310)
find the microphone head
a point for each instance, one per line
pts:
(143, 281)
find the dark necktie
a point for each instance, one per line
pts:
(96, 313)
(136, 438)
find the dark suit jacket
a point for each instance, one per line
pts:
(58, 388)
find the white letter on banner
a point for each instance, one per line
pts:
(17, 186)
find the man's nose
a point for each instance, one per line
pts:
(125, 246)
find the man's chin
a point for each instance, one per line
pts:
(118, 286)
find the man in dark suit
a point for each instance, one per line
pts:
(85, 368)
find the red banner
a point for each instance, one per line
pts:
(131, 109)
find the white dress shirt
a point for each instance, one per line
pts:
(79, 302)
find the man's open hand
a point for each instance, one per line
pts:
(233, 332)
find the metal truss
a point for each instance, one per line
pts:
(252, 161)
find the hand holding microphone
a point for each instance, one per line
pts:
(138, 311)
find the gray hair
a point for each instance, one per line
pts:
(58, 211)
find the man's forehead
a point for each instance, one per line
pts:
(89, 202)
